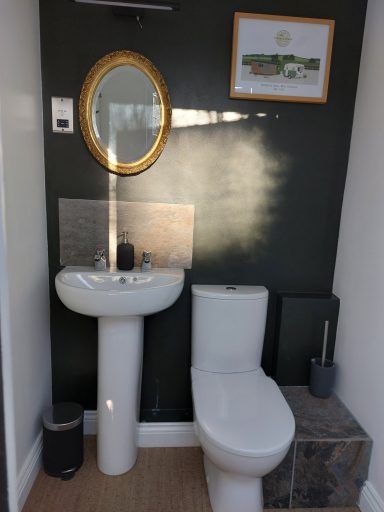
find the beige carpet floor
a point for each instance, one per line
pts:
(163, 480)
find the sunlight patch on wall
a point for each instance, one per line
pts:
(112, 221)
(242, 184)
(184, 118)
(229, 173)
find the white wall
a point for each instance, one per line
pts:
(24, 296)
(359, 275)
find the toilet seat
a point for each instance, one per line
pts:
(242, 413)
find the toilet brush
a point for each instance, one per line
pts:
(322, 373)
(325, 341)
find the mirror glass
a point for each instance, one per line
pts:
(125, 113)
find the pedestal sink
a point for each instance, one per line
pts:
(120, 300)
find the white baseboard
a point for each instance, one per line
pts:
(90, 423)
(153, 435)
(370, 500)
(29, 471)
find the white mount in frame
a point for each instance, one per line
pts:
(281, 58)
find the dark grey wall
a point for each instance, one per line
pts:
(268, 191)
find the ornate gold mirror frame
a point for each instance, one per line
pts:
(96, 74)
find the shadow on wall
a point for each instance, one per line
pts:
(228, 174)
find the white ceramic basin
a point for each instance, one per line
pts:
(120, 300)
(118, 293)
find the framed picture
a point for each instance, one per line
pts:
(281, 58)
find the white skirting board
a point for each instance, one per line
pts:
(152, 435)
(29, 471)
(370, 500)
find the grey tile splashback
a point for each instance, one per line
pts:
(164, 229)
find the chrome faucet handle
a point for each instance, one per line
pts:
(146, 264)
(100, 253)
(147, 256)
(100, 259)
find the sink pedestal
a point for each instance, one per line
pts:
(120, 355)
(119, 300)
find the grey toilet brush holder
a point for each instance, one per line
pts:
(322, 378)
(322, 375)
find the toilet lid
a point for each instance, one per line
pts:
(242, 413)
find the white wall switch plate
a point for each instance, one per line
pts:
(62, 115)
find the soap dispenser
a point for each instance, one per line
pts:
(125, 253)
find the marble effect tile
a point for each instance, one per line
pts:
(319, 418)
(328, 461)
(277, 484)
(329, 474)
(164, 229)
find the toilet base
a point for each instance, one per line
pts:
(229, 492)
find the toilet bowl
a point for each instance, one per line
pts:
(242, 420)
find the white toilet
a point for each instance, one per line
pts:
(243, 422)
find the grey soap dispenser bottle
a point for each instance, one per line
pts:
(125, 253)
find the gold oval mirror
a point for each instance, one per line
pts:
(125, 112)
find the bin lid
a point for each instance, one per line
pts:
(63, 416)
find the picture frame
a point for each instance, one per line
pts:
(281, 58)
